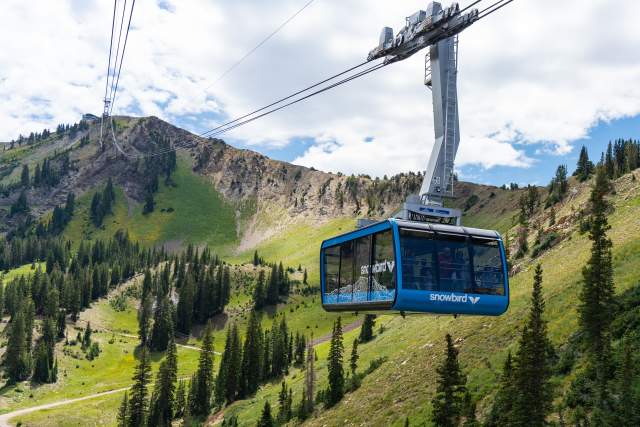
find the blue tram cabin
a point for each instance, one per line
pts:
(415, 267)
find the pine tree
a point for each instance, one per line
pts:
(353, 363)
(335, 368)
(259, 292)
(163, 398)
(185, 305)
(628, 408)
(226, 287)
(469, 411)
(251, 372)
(597, 296)
(123, 412)
(256, 259)
(532, 371)
(272, 287)
(501, 413)
(584, 168)
(266, 420)
(305, 277)
(284, 404)
(309, 379)
(609, 166)
(162, 323)
(228, 378)
(86, 337)
(144, 319)
(17, 363)
(366, 330)
(202, 385)
(24, 177)
(180, 400)
(138, 401)
(447, 403)
(149, 204)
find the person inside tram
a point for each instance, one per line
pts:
(445, 262)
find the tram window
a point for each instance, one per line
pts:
(453, 263)
(361, 273)
(487, 267)
(383, 282)
(346, 272)
(418, 260)
(331, 270)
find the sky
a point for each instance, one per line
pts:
(537, 80)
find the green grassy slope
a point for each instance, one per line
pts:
(403, 386)
(191, 211)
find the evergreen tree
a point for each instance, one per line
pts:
(163, 398)
(181, 399)
(628, 408)
(305, 276)
(596, 298)
(17, 362)
(501, 413)
(149, 204)
(202, 384)
(366, 330)
(21, 205)
(353, 363)
(228, 380)
(24, 177)
(266, 420)
(272, 287)
(584, 168)
(185, 305)
(256, 259)
(123, 412)
(162, 323)
(284, 404)
(447, 403)
(335, 368)
(259, 292)
(138, 401)
(251, 372)
(86, 337)
(469, 411)
(532, 371)
(609, 166)
(144, 319)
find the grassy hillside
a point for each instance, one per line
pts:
(403, 385)
(189, 211)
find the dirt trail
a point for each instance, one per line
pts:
(4, 418)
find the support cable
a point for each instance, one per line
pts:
(256, 47)
(126, 37)
(106, 86)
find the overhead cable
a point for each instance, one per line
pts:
(256, 47)
(126, 37)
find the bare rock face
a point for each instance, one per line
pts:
(295, 192)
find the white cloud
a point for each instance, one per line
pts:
(534, 72)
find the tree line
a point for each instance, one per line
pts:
(69, 284)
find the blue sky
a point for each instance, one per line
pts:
(533, 85)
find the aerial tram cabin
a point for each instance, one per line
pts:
(415, 267)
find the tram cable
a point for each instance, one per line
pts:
(126, 37)
(259, 45)
(343, 81)
(237, 122)
(106, 85)
(251, 116)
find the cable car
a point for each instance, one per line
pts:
(415, 267)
